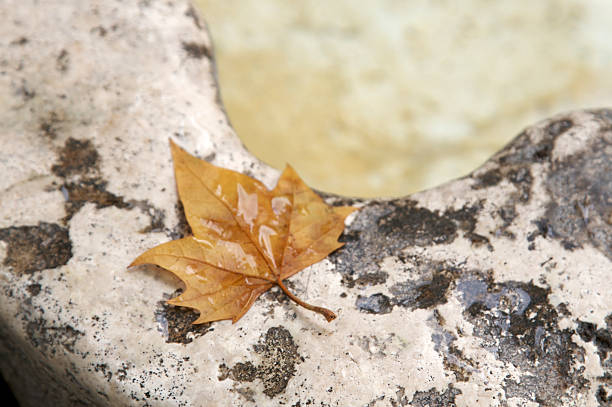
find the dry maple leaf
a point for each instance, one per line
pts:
(246, 238)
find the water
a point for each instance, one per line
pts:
(391, 97)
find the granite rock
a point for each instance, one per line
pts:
(490, 290)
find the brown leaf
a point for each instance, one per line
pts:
(246, 238)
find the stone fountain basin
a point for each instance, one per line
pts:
(493, 289)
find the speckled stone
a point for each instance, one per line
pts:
(491, 290)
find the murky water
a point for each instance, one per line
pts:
(391, 97)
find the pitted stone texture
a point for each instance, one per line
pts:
(491, 290)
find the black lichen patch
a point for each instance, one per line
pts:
(278, 354)
(47, 337)
(176, 323)
(522, 179)
(78, 164)
(374, 304)
(383, 229)
(367, 279)
(434, 292)
(78, 157)
(182, 228)
(241, 372)
(415, 225)
(516, 322)
(466, 219)
(533, 146)
(89, 190)
(427, 292)
(370, 279)
(429, 398)
(197, 51)
(524, 151)
(579, 212)
(601, 338)
(36, 248)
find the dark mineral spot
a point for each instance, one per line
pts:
(101, 31)
(49, 126)
(558, 127)
(36, 248)
(177, 322)
(26, 92)
(194, 16)
(33, 289)
(19, 41)
(374, 304)
(544, 229)
(78, 157)
(197, 51)
(586, 330)
(104, 370)
(62, 63)
(278, 354)
(603, 397)
(522, 179)
(541, 152)
(157, 216)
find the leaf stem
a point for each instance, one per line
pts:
(329, 315)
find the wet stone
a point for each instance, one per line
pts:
(491, 289)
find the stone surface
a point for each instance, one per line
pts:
(488, 290)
